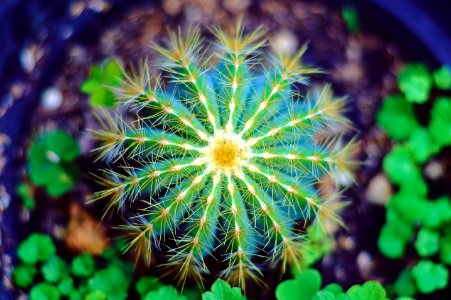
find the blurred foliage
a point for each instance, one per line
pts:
(351, 18)
(51, 162)
(396, 117)
(25, 193)
(48, 276)
(222, 290)
(442, 78)
(307, 286)
(103, 78)
(412, 219)
(415, 82)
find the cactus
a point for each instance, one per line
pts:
(220, 155)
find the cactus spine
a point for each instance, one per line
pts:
(223, 155)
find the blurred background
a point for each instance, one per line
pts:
(370, 50)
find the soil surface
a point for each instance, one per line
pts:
(361, 66)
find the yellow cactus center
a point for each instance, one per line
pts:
(227, 152)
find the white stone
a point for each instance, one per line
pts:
(51, 98)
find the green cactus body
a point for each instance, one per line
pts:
(223, 155)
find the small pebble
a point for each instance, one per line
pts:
(236, 6)
(77, 8)
(379, 190)
(51, 98)
(346, 242)
(434, 170)
(5, 198)
(27, 59)
(172, 7)
(284, 42)
(364, 263)
(98, 5)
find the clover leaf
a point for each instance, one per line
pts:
(96, 295)
(436, 213)
(44, 291)
(442, 78)
(54, 269)
(427, 242)
(324, 295)
(25, 193)
(415, 82)
(370, 290)
(440, 124)
(302, 287)
(390, 242)
(351, 18)
(335, 288)
(405, 284)
(409, 207)
(82, 265)
(146, 284)
(422, 145)
(400, 165)
(168, 292)
(429, 276)
(51, 162)
(221, 290)
(102, 78)
(416, 186)
(445, 249)
(36, 248)
(112, 281)
(66, 286)
(396, 117)
(23, 275)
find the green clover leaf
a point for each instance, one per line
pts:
(400, 166)
(83, 265)
(102, 78)
(36, 248)
(44, 291)
(66, 286)
(302, 287)
(351, 18)
(51, 162)
(436, 213)
(112, 281)
(25, 193)
(442, 78)
(390, 242)
(370, 290)
(427, 242)
(146, 284)
(324, 295)
(221, 290)
(445, 249)
(429, 276)
(415, 82)
(405, 284)
(23, 275)
(168, 292)
(422, 145)
(54, 269)
(440, 124)
(396, 117)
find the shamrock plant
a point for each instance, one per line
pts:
(307, 286)
(223, 153)
(103, 78)
(412, 218)
(51, 162)
(49, 276)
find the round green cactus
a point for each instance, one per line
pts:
(221, 155)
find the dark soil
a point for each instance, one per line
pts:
(361, 66)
